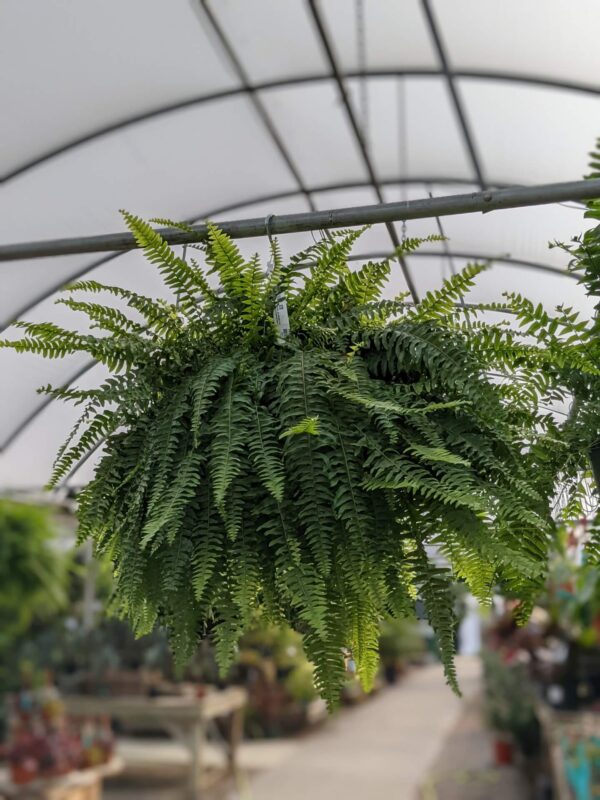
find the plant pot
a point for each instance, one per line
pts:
(594, 456)
(24, 771)
(391, 673)
(504, 751)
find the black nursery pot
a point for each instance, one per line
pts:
(594, 455)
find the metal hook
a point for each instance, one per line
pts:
(271, 261)
(268, 219)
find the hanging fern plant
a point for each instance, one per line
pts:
(310, 475)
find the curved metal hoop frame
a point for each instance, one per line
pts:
(214, 97)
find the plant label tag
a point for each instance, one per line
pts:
(280, 315)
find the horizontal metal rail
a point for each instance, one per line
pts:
(489, 200)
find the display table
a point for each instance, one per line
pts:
(549, 724)
(78, 785)
(184, 718)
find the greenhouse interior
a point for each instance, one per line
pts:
(300, 409)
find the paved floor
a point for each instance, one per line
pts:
(380, 750)
(383, 749)
(463, 770)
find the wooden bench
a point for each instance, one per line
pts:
(184, 718)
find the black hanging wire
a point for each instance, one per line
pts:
(361, 59)
(402, 145)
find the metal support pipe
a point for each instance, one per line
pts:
(359, 138)
(254, 98)
(430, 207)
(456, 101)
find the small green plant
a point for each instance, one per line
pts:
(572, 595)
(300, 683)
(400, 639)
(33, 572)
(306, 475)
(276, 650)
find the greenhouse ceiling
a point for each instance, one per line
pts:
(231, 109)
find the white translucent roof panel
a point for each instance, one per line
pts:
(408, 115)
(70, 67)
(555, 39)
(23, 283)
(311, 120)
(28, 374)
(529, 134)
(275, 41)
(130, 270)
(183, 164)
(396, 34)
(345, 197)
(27, 464)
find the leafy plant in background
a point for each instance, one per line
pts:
(572, 595)
(400, 640)
(508, 701)
(276, 651)
(33, 581)
(308, 474)
(33, 572)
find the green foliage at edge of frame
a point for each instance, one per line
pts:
(33, 573)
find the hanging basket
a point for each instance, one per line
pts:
(302, 467)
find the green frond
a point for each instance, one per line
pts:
(159, 315)
(435, 587)
(440, 304)
(204, 386)
(309, 425)
(229, 441)
(170, 223)
(226, 261)
(265, 453)
(330, 265)
(106, 318)
(177, 274)
(98, 429)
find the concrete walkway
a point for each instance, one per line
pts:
(381, 750)
(464, 769)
